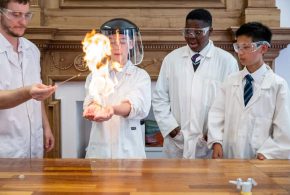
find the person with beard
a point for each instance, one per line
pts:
(22, 127)
(186, 87)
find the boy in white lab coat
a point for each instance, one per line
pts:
(250, 117)
(186, 87)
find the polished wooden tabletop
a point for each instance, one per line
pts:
(141, 177)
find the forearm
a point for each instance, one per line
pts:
(12, 98)
(122, 109)
(48, 136)
(45, 122)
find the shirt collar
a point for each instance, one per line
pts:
(263, 71)
(5, 45)
(258, 75)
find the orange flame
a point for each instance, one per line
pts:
(98, 50)
(97, 57)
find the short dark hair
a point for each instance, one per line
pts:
(256, 30)
(200, 14)
(4, 3)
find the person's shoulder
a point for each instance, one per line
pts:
(234, 77)
(29, 44)
(177, 52)
(278, 80)
(139, 71)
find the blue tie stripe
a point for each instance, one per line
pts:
(248, 90)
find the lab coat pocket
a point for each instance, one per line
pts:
(261, 132)
(171, 149)
(202, 150)
(133, 135)
(4, 84)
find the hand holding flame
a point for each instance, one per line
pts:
(97, 56)
(98, 51)
(40, 91)
(98, 114)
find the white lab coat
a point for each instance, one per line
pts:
(120, 137)
(263, 126)
(183, 97)
(21, 133)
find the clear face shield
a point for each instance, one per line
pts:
(125, 40)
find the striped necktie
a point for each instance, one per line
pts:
(248, 90)
(195, 62)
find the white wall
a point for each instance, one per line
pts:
(282, 62)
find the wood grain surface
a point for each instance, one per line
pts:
(140, 177)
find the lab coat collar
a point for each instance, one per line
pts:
(266, 83)
(5, 45)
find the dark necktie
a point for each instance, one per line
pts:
(195, 62)
(248, 90)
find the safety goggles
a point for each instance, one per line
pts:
(195, 32)
(249, 47)
(16, 15)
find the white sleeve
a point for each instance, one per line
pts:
(277, 146)
(216, 118)
(161, 102)
(140, 96)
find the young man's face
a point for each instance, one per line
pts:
(14, 19)
(250, 55)
(120, 44)
(196, 40)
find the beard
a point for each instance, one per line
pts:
(9, 30)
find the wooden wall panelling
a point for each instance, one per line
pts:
(261, 3)
(269, 16)
(155, 14)
(66, 4)
(146, 14)
(262, 11)
(36, 10)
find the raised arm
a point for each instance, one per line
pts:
(12, 98)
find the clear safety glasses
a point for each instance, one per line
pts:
(16, 15)
(194, 32)
(249, 47)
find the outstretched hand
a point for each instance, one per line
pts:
(98, 114)
(40, 91)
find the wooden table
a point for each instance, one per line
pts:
(140, 177)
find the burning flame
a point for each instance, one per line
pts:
(97, 57)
